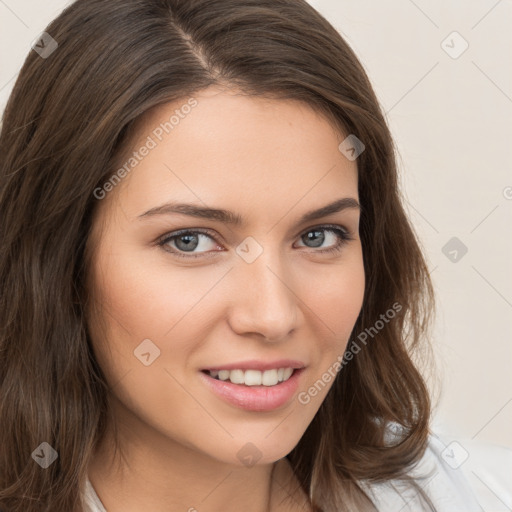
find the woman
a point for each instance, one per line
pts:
(211, 293)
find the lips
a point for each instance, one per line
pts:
(255, 385)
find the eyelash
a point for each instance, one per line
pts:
(342, 233)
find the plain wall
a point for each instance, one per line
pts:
(451, 116)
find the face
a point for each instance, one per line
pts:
(209, 330)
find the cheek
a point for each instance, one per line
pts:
(335, 304)
(337, 297)
(145, 295)
(344, 296)
(151, 298)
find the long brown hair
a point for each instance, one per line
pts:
(64, 126)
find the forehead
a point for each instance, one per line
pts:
(234, 149)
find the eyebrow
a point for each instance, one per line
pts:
(235, 219)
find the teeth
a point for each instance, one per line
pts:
(253, 377)
(269, 378)
(236, 376)
(224, 375)
(287, 373)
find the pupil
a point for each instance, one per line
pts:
(189, 244)
(313, 234)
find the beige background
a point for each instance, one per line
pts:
(451, 116)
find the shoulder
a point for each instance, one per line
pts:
(460, 475)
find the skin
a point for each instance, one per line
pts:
(270, 161)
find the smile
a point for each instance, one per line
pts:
(254, 390)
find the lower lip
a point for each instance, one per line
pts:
(254, 398)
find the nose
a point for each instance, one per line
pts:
(265, 303)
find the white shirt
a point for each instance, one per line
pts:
(458, 476)
(465, 476)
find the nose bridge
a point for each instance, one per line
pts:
(265, 303)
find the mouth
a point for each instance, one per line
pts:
(256, 390)
(269, 378)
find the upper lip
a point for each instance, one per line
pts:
(258, 365)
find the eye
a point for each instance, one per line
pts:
(185, 242)
(316, 236)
